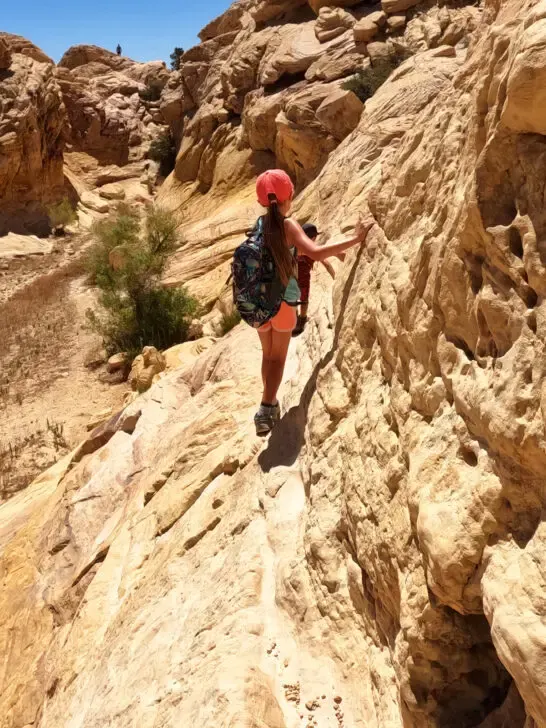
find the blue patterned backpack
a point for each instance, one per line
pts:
(257, 289)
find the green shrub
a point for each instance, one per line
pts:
(119, 229)
(152, 92)
(135, 309)
(365, 82)
(60, 215)
(163, 151)
(229, 321)
(176, 57)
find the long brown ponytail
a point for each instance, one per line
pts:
(275, 239)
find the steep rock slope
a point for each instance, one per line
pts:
(379, 561)
(32, 115)
(263, 89)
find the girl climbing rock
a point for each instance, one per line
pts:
(266, 290)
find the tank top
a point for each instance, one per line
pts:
(292, 291)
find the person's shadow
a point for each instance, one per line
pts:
(286, 440)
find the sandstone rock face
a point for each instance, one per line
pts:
(441, 26)
(378, 562)
(32, 116)
(22, 46)
(5, 54)
(112, 103)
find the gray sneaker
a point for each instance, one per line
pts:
(265, 418)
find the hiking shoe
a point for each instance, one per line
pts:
(300, 325)
(266, 418)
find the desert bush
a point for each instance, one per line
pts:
(152, 92)
(163, 151)
(119, 229)
(60, 215)
(229, 321)
(126, 264)
(365, 82)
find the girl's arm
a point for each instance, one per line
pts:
(296, 237)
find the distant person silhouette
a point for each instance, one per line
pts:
(118, 50)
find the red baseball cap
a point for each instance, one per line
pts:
(274, 182)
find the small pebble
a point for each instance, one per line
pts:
(286, 662)
(324, 697)
(338, 699)
(310, 705)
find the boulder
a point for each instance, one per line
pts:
(379, 52)
(13, 245)
(379, 17)
(364, 30)
(99, 418)
(116, 362)
(259, 117)
(145, 368)
(94, 202)
(112, 191)
(239, 74)
(332, 22)
(337, 63)
(396, 22)
(340, 113)
(291, 52)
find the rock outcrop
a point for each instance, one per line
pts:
(95, 112)
(32, 117)
(264, 89)
(379, 562)
(112, 104)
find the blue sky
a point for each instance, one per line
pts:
(147, 30)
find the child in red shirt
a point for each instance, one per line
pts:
(305, 266)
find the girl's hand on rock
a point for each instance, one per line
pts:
(363, 227)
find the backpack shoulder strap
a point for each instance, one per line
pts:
(257, 232)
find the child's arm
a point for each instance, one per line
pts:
(329, 268)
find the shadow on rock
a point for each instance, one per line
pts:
(286, 440)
